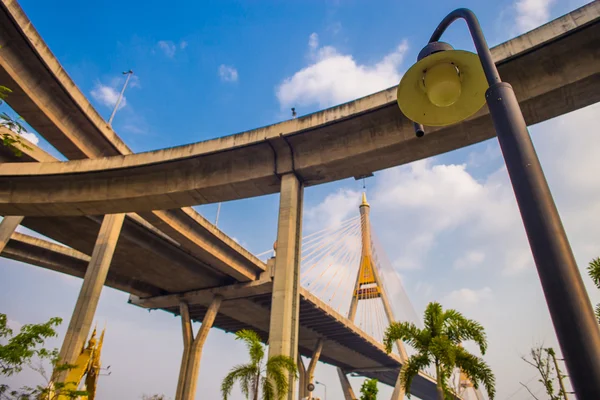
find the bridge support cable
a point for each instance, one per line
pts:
(325, 272)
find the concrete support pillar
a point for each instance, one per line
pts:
(398, 393)
(195, 346)
(188, 336)
(7, 227)
(346, 386)
(302, 381)
(310, 372)
(283, 330)
(93, 281)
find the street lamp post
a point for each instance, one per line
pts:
(324, 386)
(112, 116)
(446, 86)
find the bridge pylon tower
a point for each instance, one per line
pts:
(369, 286)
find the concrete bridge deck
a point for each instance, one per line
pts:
(244, 306)
(193, 255)
(554, 69)
(45, 96)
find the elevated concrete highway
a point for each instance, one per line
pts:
(169, 258)
(554, 69)
(245, 306)
(200, 254)
(45, 96)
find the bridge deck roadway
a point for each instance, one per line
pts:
(153, 262)
(554, 69)
(244, 306)
(180, 243)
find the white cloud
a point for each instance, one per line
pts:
(336, 207)
(167, 47)
(183, 44)
(465, 297)
(470, 260)
(30, 136)
(107, 96)
(531, 13)
(228, 73)
(335, 78)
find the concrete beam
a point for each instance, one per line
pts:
(203, 296)
(193, 243)
(553, 69)
(207, 242)
(7, 228)
(44, 94)
(285, 305)
(94, 279)
(42, 253)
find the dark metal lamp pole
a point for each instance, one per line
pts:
(572, 315)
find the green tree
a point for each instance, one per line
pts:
(271, 379)
(594, 272)
(543, 359)
(11, 139)
(21, 350)
(439, 343)
(369, 390)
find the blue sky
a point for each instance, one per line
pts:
(208, 69)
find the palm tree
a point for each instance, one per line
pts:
(439, 343)
(594, 272)
(271, 378)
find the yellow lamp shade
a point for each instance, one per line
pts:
(443, 88)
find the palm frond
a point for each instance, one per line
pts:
(432, 318)
(279, 368)
(245, 373)
(253, 343)
(268, 391)
(594, 271)
(411, 368)
(443, 349)
(406, 332)
(477, 371)
(460, 329)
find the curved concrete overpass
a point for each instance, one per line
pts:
(554, 69)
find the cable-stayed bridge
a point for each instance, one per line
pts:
(117, 221)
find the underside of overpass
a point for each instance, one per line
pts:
(163, 257)
(245, 306)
